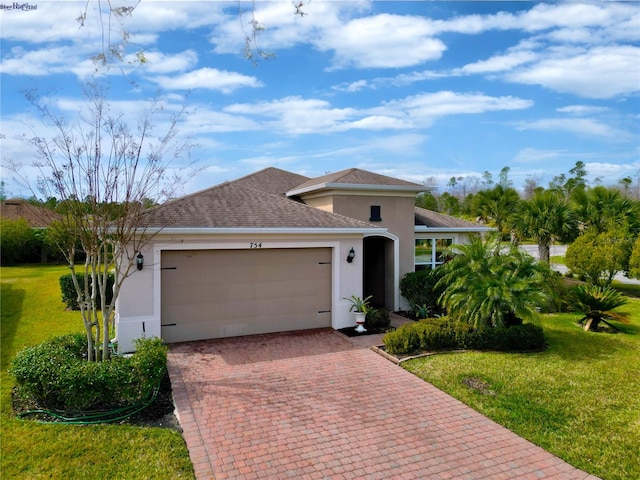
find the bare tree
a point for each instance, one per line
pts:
(116, 38)
(103, 172)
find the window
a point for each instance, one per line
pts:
(375, 214)
(429, 252)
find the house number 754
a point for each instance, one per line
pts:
(255, 245)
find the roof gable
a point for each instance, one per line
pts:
(356, 179)
(271, 180)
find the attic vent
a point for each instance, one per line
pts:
(375, 214)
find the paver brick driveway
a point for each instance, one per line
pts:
(312, 405)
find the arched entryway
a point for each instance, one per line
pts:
(379, 276)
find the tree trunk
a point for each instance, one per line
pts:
(543, 252)
(592, 324)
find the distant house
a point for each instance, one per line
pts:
(36, 216)
(276, 251)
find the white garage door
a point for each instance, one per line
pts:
(226, 293)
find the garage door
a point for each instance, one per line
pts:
(226, 293)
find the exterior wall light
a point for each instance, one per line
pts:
(139, 261)
(351, 256)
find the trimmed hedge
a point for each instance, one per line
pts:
(56, 374)
(70, 296)
(447, 334)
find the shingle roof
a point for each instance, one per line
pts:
(354, 176)
(231, 205)
(271, 180)
(431, 219)
(36, 217)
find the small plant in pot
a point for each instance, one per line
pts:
(360, 307)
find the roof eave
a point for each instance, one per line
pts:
(264, 231)
(359, 187)
(425, 229)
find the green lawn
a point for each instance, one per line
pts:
(579, 399)
(32, 311)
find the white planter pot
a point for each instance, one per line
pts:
(360, 317)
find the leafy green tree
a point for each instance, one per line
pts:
(572, 184)
(634, 261)
(17, 240)
(449, 204)
(596, 302)
(597, 257)
(428, 201)
(487, 286)
(545, 218)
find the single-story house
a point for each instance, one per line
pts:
(37, 217)
(277, 251)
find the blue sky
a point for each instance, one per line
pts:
(417, 90)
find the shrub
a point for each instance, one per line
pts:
(560, 292)
(597, 257)
(403, 340)
(377, 319)
(634, 261)
(70, 296)
(446, 334)
(18, 242)
(419, 288)
(57, 375)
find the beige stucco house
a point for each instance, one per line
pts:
(277, 251)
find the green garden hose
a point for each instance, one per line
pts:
(93, 418)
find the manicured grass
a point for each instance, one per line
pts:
(32, 311)
(579, 399)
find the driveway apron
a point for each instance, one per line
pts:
(313, 405)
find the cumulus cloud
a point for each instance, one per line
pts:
(582, 109)
(433, 105)
(207, 78)
(579, 126)
(600, 72)
(296, 115)
(500, 63)
(383, 41)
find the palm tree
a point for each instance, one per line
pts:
(487, 287)
(599, 208)
(596, 302)
(496, 205)
(545, 218)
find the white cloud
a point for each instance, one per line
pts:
(534, 155)
(601, 72)
(208, 78)
(500, 63)
(383, 41)
(295, 115)
(378, 122)
(433, 105)
(579, 126)
(582, 109)
(159, 62)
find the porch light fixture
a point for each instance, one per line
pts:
(139, 261)
(351, 256)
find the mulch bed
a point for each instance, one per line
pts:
(351, 331)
